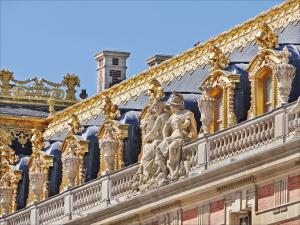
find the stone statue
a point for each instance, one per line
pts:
(152, 139)
(179, 128)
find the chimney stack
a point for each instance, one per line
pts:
(157, 59)
(111, 68)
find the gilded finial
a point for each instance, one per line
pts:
(74, 125)
(155, 90)
(71, 81)
(216, 59)
(5, 77)
(110, 110)
(266, 38)
(37, 141)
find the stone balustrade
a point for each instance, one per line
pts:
(241, 138)
(251, 136)
(51, 210)
(121, 182)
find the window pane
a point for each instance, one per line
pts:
(218, 112)
(268, 93)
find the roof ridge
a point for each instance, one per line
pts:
(235, 38)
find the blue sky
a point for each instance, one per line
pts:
(50, 38)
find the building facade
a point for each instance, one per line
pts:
(208, 137)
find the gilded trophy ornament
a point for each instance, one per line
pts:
(216, 58)
(266, 38)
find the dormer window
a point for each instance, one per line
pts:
(270, 74)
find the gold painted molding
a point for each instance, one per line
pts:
(236, 38)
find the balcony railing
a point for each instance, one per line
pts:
(281, 125)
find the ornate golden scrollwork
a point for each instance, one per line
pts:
(39, 164)
(9, 176)
(271, 66)
(37, 91)
(266, 38)
(73, 150)
(218, 84)
(111, 137)
(155, 93)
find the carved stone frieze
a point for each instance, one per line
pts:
(39, 164)
(73, 150)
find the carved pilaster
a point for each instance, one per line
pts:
(111, 137)
(39, 164)
(73, 150)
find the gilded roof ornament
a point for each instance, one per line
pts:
(74, 125)
(110, 110)
(5, 77)
(155, 90)
(216, 59)
(71, 81)
(266, 38)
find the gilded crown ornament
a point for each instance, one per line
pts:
(110, 110)
(155, 90)
(71, 81)
(216, 59)
(266, 38)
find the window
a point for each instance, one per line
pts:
(267, 93)
(219, 112)
(115, 61)
(115, 77)
(244, 219)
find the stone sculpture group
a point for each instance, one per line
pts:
(166, 127)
